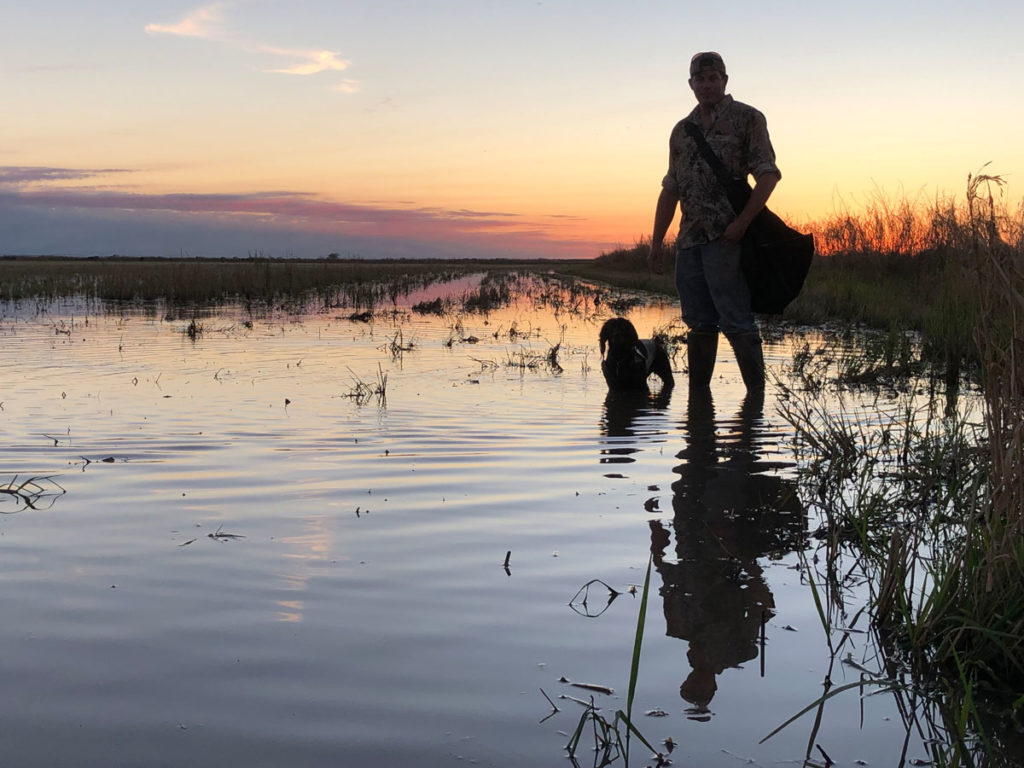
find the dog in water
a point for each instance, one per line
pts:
(627, 360)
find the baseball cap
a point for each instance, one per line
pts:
(706, 60)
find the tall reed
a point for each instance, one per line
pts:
(986, 609)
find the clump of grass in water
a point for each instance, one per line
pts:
(534, 361)
(612, 738)
(895, 487)
(361, 391)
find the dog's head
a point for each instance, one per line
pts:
(618, 339)
(622, 357)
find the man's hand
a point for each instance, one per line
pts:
(654, 259)
(734, 232)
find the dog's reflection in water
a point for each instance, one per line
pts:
(629, 419)
(727, 515)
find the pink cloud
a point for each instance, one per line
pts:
(40, 189)
(202, 22)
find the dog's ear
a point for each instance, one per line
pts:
(603, 336)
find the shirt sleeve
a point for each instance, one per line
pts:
(762, 155)
(670, 180)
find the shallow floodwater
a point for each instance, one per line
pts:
(234, 552)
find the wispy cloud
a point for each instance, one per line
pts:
(208, 22)
(347, 86)
(310, 62)
(28, 185)
(31, 174)
(202, 22)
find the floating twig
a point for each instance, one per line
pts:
(595, 687)
(554, 709)
(222, 536)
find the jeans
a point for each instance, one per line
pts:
(712, 290)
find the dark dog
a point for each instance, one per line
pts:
(627, 360)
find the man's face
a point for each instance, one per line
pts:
(708, 86)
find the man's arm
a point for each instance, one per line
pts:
(764, 185)
(663, 215)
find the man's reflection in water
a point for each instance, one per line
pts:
(727, 515)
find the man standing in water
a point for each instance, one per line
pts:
(712, 290)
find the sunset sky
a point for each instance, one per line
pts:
(446, 128)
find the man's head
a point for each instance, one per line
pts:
(708, 78)
(707, 60)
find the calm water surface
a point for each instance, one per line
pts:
(238, 563)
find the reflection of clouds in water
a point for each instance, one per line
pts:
(727, 515)
(314, 546)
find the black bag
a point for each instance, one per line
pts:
(775, 257)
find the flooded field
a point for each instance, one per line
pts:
(349, 538)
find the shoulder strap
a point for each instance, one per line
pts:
(731, 185)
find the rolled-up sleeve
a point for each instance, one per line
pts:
(761, 160)
(670, 182)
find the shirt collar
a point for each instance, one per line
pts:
(718, 109)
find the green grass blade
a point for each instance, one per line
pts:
(632, 729)
(820, 699)
(638, 642)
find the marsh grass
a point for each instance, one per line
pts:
(979, 618)
(908, 265)
(526, 360)
(897, 487)
(256, 281)
(924, 507)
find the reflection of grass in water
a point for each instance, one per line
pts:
(434, 307)
(34, 493)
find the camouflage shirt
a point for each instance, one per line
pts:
(739, 136)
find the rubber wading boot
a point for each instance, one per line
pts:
(701, 351)
(750, 358)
